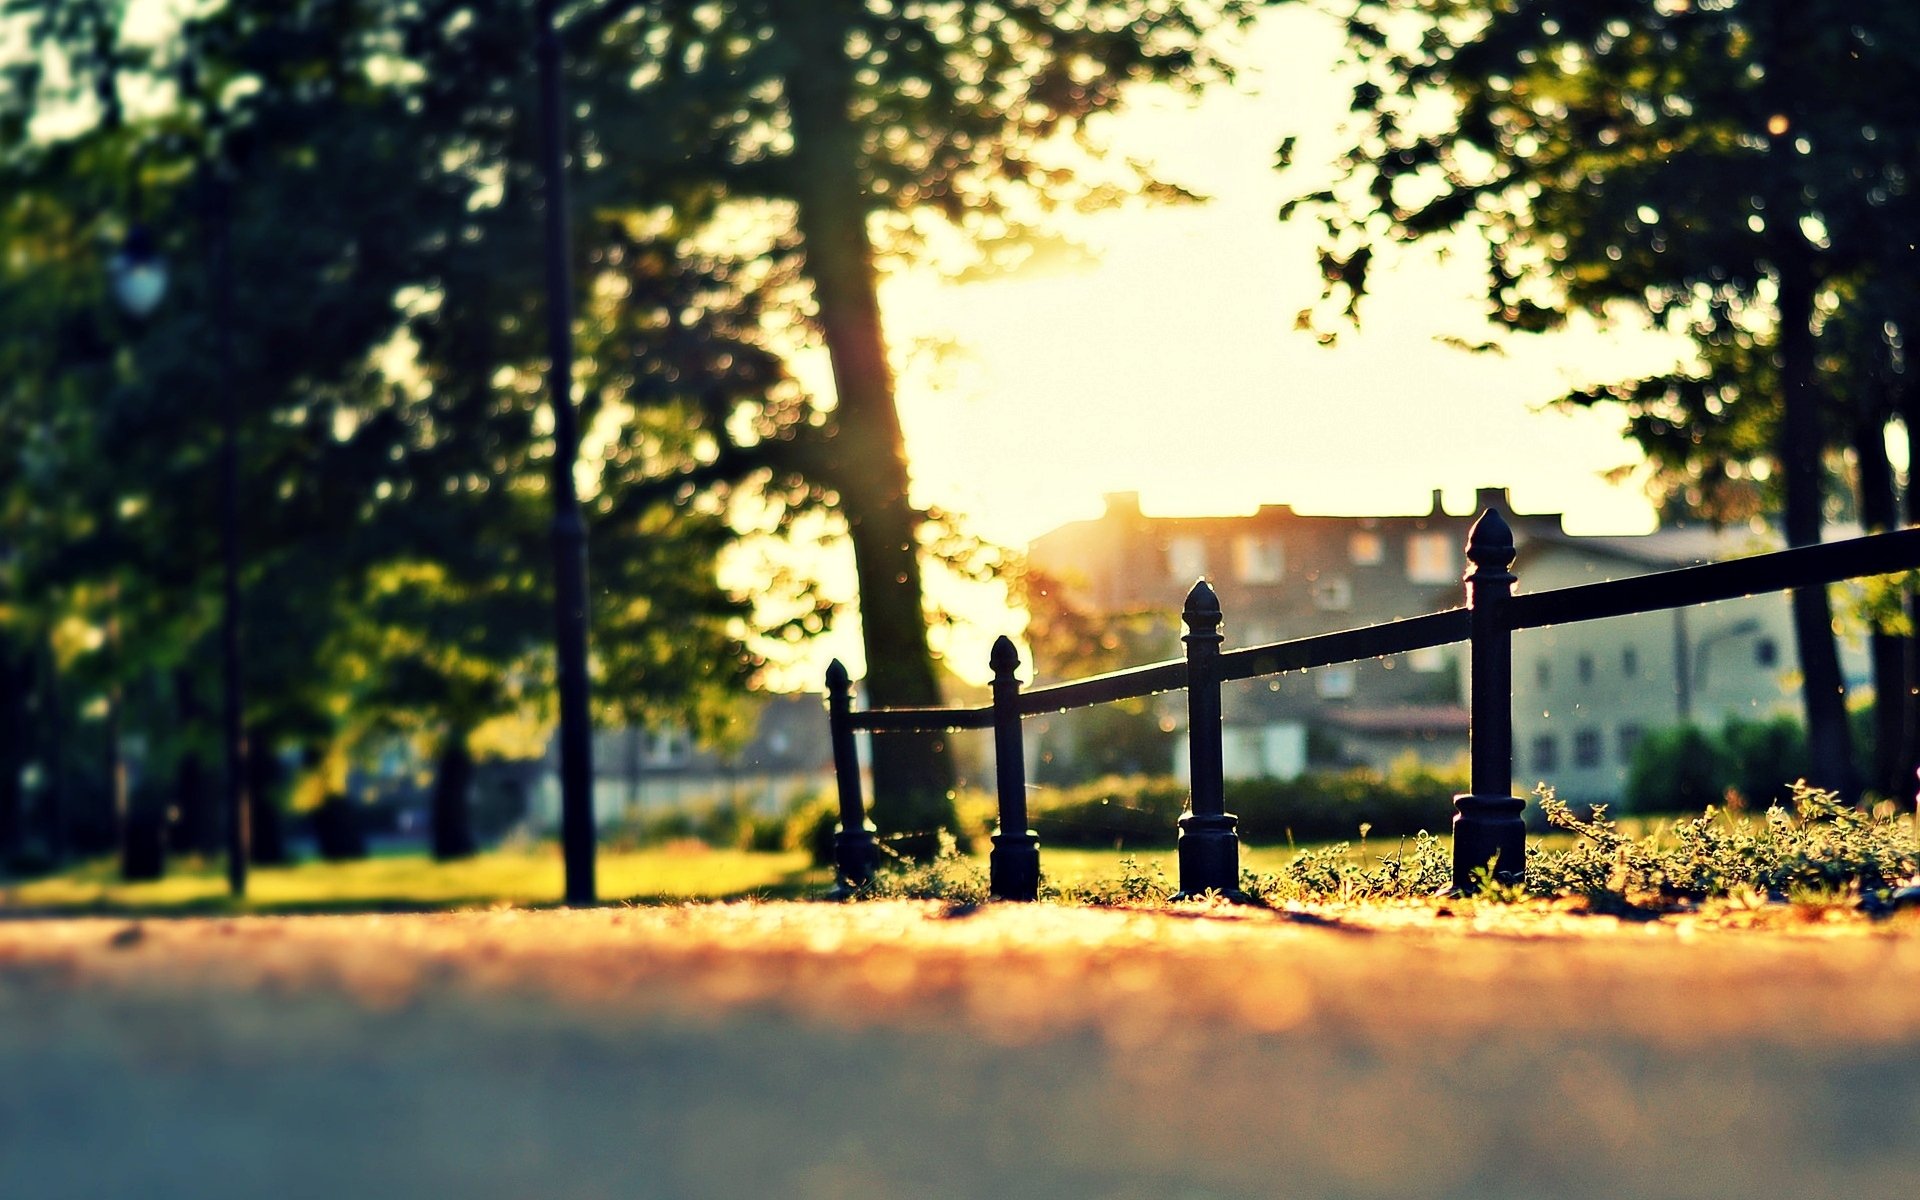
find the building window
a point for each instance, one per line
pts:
(1430, 559)
(1630, 662)
(1333, 595)
(1546, 753)
(1428, 660)
(1543, 673)
(668, 748)
(1335, 683)
(1766, 652)
(1630, 736)
(1259, 559)
(1366, 549)
(1186, 559)
(1586, 748)
(1585, 668)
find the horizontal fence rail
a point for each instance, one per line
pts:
(922, 720)
(1349, 645)
(1487, 827)
(1778, 571)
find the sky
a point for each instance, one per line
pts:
(1169, 364)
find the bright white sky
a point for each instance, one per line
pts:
(1171, 366)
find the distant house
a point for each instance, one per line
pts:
(1282, 574)
(636, 771)
(1583, 694)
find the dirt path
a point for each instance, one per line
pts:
(893, 1050)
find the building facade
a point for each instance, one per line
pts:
(1584, 695)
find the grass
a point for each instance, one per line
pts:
(1820, 851)
(414, 882)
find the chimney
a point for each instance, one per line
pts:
(1122, 505)
(1439, 510)
(1486, 498)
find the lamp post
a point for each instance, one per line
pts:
(569, 531)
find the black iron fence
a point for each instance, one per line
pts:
(1488, 830)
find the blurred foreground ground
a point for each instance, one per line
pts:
(812, 1050)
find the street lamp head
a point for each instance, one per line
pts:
(138, 274)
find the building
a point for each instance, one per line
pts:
(1583, 694)
(1282, 574)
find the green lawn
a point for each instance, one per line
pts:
(400, 882)
(519, 876)
(414, 881)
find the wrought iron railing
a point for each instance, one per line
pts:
(1488, 829)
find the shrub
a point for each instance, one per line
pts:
(950, 875)
(1767, 757)
(1143, 812)
(1823, 845)
(339, 829)
(1680, 769)
(810, 826)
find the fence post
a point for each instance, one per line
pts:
(1209, 848)
(1487, 828)
(855, 853)
(1013, 869)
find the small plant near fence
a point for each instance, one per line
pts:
(1488, 848)
(1813, 851)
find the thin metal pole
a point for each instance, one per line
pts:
(569, 531)
(1209, 847)
(1013, 867)
(239, 825)
(1487, 828)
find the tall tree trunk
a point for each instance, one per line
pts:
(268, 830)
(1891, 694)
(1829, 744)
(58, 810)
(15, 680)
(196, 830)
(867, 464)
(452, 806)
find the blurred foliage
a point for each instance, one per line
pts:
(1814, 848)
(1742, 765)
(1739, 172)
(1143, 811)
(370, 166)
(739, 170)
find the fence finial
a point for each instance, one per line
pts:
(1489, 544)
(837, 677)
(1202, 603)
(1003, 658)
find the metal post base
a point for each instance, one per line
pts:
(1210, 857)
(1488, 829)
(1013, 868)
(856, 855)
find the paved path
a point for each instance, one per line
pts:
(896, 1050)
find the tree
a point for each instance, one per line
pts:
(1717, 167)
(381, 165)
(843, 121)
